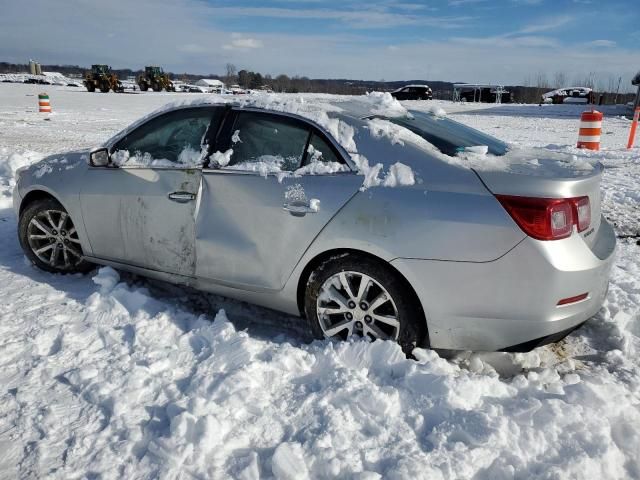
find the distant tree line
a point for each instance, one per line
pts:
(533, 88)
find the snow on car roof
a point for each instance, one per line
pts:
(322, 109)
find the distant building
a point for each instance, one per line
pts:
(210, 84)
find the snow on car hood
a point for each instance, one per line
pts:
(58, 163)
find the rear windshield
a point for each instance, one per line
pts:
(448, 136)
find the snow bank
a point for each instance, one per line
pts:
(10, 162)
(140, 387)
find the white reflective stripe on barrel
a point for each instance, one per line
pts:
(587, 139)
(590, 124)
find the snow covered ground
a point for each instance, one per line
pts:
(114, 376)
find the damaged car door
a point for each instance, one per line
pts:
(140, 208)
(274, 184)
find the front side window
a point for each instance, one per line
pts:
(319, 151)
(266, 143)
(176, 139)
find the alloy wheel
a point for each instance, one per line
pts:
(54, 240)
(352, 303)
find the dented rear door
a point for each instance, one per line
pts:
(252, 230)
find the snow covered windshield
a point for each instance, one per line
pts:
(448, 136)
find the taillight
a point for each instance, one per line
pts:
(583, 211)
(548, 218)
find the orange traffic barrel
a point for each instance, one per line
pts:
(590, 130)
(634, 126)
(43, 103)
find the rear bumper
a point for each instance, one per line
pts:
(513, 300)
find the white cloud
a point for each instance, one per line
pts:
(239, 42)
(549, 24)
(359, 18)
(528, 41)
(602, 43)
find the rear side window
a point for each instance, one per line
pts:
(266, 143)
(449, 136)
(175, 139)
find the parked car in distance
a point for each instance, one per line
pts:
(569, 95)
(266, 206)
(197, 89)
(482, 93)
(413, 92)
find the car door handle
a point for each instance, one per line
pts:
(300, 209)
(182, 197)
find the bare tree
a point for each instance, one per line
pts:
(230, 77)
(541, 80)
(560, 80)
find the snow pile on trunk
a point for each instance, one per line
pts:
(541, 162)
(527, 161)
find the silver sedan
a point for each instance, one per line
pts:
(296, 213)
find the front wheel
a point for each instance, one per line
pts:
(355, 295)
(49, 238)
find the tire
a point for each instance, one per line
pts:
(91, 87)
(411, 330)
(65, 252)
(105, 87)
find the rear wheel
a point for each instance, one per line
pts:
(91, 87)
(49, 238)
(105, 87)
(355, 295)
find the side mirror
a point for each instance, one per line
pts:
(99, 157)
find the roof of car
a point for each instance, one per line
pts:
(333, 105)
(325, 110)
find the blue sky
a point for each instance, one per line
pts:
(502, 41)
